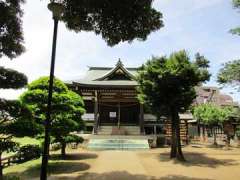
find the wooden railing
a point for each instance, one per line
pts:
(7, 161)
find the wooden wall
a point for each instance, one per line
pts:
(183, 131)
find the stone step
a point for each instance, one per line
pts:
(124, 130)
(118, 144)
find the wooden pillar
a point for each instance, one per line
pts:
(187, 133)
(155, 130)
(119, 114)
(95, 128)
(141, 119)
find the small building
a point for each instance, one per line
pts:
(208, 94)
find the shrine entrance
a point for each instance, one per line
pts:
(119, 113)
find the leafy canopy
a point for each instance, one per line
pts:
(67, 106)
(168, 82)
(115, 21)
(9, 111)
(10, 78)
(11, 34)
(230, 73)
(15, 118)
(236, 4)
(210, 114)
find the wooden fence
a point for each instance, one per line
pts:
(7, 161)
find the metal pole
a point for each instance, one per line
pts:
(45, 155)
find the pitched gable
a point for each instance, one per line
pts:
(117, 73)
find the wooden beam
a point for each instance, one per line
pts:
(119, 100)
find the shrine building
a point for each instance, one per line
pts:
(111, 103)
(112, 108)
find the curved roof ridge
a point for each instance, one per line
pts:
(119, 65)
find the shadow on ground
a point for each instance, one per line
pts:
(123, 175)
(75, 156)
(199, 159)
(54, 168)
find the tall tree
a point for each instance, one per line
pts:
(11, 46)
(67, 108)
(212, 116)
(166, 85)
(236, 4)
(9, 110)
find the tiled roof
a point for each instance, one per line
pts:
(213, 95)
(100, 77)
(96, 76)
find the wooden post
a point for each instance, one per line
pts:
(119, 115)
(95, 128)
(155, 130)
(187, 135)
(141, 119)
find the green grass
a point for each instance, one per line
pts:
(22, 169)
(31, 169)
(26, 140)
(23, 141)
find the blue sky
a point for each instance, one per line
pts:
(194, 25)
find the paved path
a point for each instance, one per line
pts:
(109, 161)
(116, 165)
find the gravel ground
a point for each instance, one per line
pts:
(202, 164)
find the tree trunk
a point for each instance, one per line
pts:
(204, 133)
(227, 142)
(214, 137)
(173, 140)
(238, 141)
(1, 167)
(176, 148)
(63, 149)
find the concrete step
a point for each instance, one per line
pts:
(105, 130)
(123, 130)
(118, 144)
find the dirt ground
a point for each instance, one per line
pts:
(202, 164)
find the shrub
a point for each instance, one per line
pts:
(28, 152)
(160, 141)
(73, 139)
(55, 146)
(11, 178)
